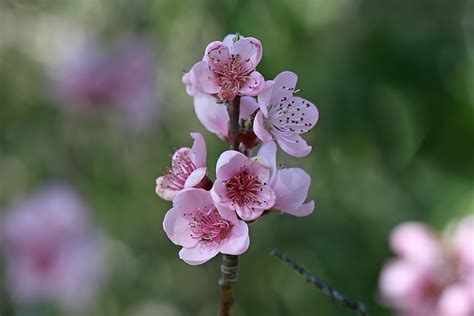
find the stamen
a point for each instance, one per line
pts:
(182, 167)
(244, 188)
(208, 225)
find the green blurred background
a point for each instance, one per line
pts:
(394, 84)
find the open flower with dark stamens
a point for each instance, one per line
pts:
(291, 185)
(202, 229)
(242, 185)
(283, 116)
(188, 170)
(227, 69)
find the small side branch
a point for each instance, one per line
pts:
(229, 275)
(345, 301)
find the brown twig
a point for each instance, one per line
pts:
(345, 301)
(230, 263)
(234, 128)
(229, 275)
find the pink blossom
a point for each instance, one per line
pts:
(291, 185)
(204, 229)
(188, 170)
(427, 278)
(283, 116)
(463, 246)
(227, 69)
(120, 80)
(409, 287)
(242, 184)
(214, 116)
(416, 242)
(51, 252)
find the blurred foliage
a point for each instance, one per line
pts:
(394, 83)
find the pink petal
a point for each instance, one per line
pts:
(205, 79)
(268, 152)
(198, 254)
(238, 241)
(229, 40)
(402, 284)
(195, 177)
(250, 51)
(227, 213)
(189, 79)
(284, 86)
(293, 145)
(300, 114)
(217, 56)
(177, 229)
(247, 213)
(457, 299)
(416, 242)
(259, 128)
(265, 97)
(218, 190)
(304, 210)
(291, 189)
(463, 243)
(212, 115)
(191, 199)
(230, 163)
(199, 150)
(248, 106)
(163, 191)
(254, 84)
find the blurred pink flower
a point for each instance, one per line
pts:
(120, 79)
(227, 69)
(431, 276)
(283, 116)
(188, 170)
(409, 287)
(291, 185)
(416, 242)
(463, 247)
(202, 229)
(214, 116)
(242, 184)
(50, 249)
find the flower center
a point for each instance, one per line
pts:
(244, 188)
(182, 167)
(43, 259)
(208, 225)
(232, 75)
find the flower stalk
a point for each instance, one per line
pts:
(234, 130)
(229, 275)
(230, 263)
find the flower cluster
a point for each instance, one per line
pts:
(209, 216)
(51, 251)
(269, 109)
(432, 275)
